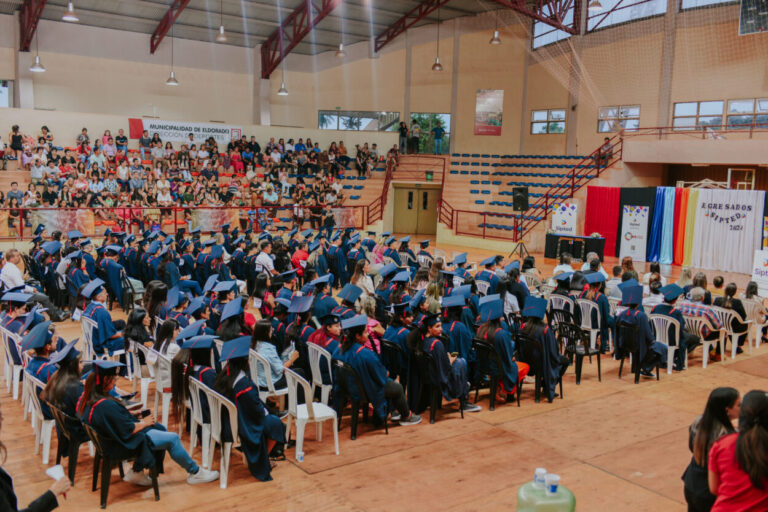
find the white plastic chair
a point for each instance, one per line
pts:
(755, 313)
(316, 353)
(162, 384)
(196, 418)
(727, 317)
(43, 427)
(13, 361)
(217, 404)
(457, 281)
(309, 412)
(531, 280)
(87, 326)
(424, 261)
(257, 364)
(587, 306)
(482, 287)
(614, 303)
(695, 324)
(137, 375)
(661, 325)
(561, 302)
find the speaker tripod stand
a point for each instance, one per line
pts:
(520, 249)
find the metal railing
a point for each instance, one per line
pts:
(713, 132)
(445, 213)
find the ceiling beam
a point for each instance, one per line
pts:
(29, 17)
(291, 31)
(553, 15)
(409, 19)
(166, 23)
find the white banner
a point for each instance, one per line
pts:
(760, 272)
(728, 228)
(634, 232)
(564, 218)
(178, 131)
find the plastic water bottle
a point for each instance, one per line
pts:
(300, 456)
(534, 497)
(538, 478)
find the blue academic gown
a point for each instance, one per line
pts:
(552, 367)
(505, 348)
(323, 305)
(343, 312)
(76, 279)
(391, 253)
(104, 330)
(644, 339)
(207, 376)
(372, 373)
(130, 262)
(321, 264)
(90, 264)
(459, 339)
(452, 378)
(338, 263)
(398, 334)
(255, 426)
(489, 277)
(353, 256)
(180, 317)
(114, 272)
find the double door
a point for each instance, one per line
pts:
(416, 210)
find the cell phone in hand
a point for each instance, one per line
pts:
(144, 413)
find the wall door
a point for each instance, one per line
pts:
(416, 210)
(427, 220)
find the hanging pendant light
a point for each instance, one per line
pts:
(172, 77)
(70, 15)
(282, 91)
(595, 6)
(340, 53)
(437, 66)
(37, 67)
(221, 37)
(495, 39)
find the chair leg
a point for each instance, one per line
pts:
(319, 430)
(300, 424)
(106, 471)
(205, 446)
(537, 392)
(74, 453)
(355, 411)
(621, 366)
(599, 370)
(166, 408)
(519, 391)
(432, 407)
(226, 452)
(96, 463)
(336, 434)
(561, 388)
(579, 365)
(47, 431)
(153, 476)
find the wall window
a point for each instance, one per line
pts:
(609, 119)
(427, 121)
(6, 93)
(694, 115)
(620, 11)
(693, 4)
(743, 113)
(544, 34)
(358, 120)
(548, 121)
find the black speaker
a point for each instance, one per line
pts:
(520, 199)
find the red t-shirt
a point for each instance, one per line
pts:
(735, 492)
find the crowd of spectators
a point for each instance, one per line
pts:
(101, 172)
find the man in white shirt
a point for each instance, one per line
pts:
(264, 261)
(12, 277)
(593, 256)
(564, 266)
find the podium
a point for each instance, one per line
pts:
(577, 246)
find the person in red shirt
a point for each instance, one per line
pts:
(738, 463)
(299, 255)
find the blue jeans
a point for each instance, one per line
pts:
(169, 441)
(142, 151)
(438, 146)
(189, 285)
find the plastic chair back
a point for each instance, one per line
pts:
(195, 388)
(87, 326)
(147, 359)
(424, 260)
(316, 355)
(613, 302)
(661, 326)
(561, 302)
(35, 385)
(531, 280)
(11, 342)
(257, 364)
(294, 380)
(627, 339)
(219, 404)
(587, 307)
(482, 287)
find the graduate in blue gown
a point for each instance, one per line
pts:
(126, 436)
(551, 363)
(130, 257)
(424, 255)
(459, 338)
(337, 260)
(488, 275)
(107, 335)
(324, 302)
(380, 389)
(355, 254)
(390, 251)
(651, 353)
(299, 330)
(688, 341)
(90, 263)
(14, 319)
(595, 281)
(192, 361)
(400, 284)
(348, 295)
(412, 262)
(114, 271)
(261, 434)
(384, 288)
(563, 287)
(76, 274)
(42, 342)
(397, 332)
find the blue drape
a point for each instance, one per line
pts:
(654, 237)
(668, 228)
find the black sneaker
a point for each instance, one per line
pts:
(413, 419)
(647, 373)
(395, 416)
(739, 350)
(468, 407)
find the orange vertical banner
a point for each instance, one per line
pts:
(681, 205)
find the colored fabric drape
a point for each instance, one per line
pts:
(643, 196)
(654, 234)
(681, 211)
(666, 253)
(602, 215)
(729, 227)
(690, 224)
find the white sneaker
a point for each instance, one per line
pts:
(139, 478)
(202, 476)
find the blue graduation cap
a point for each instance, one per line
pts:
(210, 283)
(417, 299)
(300, 304)
(400, 309)
(195, 305)
(355, 321)
(293, 232)
(65, 354)
(37, 337)
(232, 308)
(39, 229)
(405, 239)
(487, 262)
(331, 319)
(492, 310)
(195, 231)
(306, 233)
(209, 242)
(233, 349)
(389, 240)
(464, 290)
(217, 252)
(74, 234)
(172, 299)
(535, 307)
(282, 303)
(594, 277)
(431, 319)
(632, 296)
(93, 288)
(238, 240)
(314, 245)
(350, 293)
(225, 227)
(322, 280)
(448, 272)
(335, 236)
(33, 316)
(191, 330)
(51, 247)
(671, 292)
(265, 234)
(460, 259)
(129, 239)
(84, 243)
(287, 276)
(385, 233)
(488, 298)
(106, 368)
(114, 249)
(563, 276)
(355, 240)
(424, 244)
(74, 254)
(100, 250)
(629, 282)
(168, 240)
(514, 264)
(153, 235)
(107, 232)
(37, 239)
(387, 269)
(402, 277)
(153, 247)
(453, 301)
(199, 342)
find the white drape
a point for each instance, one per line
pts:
(728, 229)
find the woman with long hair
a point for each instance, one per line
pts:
(266, 345)
(166, 343)
(232, 324)
(721, 409)
(738, 463)
(154, 298)
(263, 299)
(729, 301)
(192, 361)
(361, 277)
(129, 437)
(262, 435)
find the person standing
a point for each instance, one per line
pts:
(415, 136)
(438, 132)
(403, 141)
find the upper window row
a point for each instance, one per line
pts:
(358, 120)
(739, 114)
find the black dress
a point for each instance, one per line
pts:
(47, 501)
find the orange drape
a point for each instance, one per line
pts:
(681, 207)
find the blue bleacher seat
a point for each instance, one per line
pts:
(454, 172)
(474, 191)
(479, 201)
(474, 182)
(354, 198)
